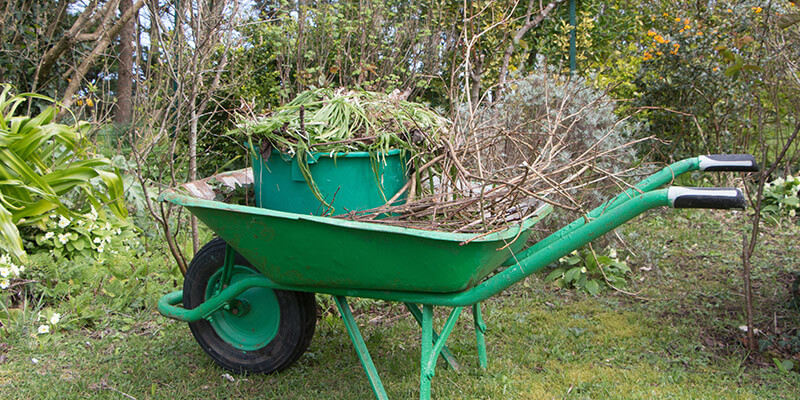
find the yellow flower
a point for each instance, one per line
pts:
(686, 21)
(687, 27)
(714, 69)
(729, 10)
(756, 9)
(659, 53)
(79, 102)
(89, 103)
(677, 19)
(699, 33)
(647, 56)
(681, 31)
(660, 39)
(651, 33)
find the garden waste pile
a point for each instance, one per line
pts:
(490, 169)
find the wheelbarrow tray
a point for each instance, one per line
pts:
(322, 252)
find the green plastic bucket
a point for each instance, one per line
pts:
(347, 181)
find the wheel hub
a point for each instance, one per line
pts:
(250, 321)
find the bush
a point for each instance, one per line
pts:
(781, 197)
(45, 168)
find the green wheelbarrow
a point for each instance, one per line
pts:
(248, 295)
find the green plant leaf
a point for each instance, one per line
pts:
(592, 287)
(557, 273)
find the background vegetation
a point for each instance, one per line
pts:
(133, 96)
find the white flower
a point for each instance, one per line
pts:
(778, 181)
(52, 216)
(612, 253)
(55, 318)
(583, 270)
(5, 259)
(80, 222)
(4, 272)
(792, 213)
(118, 231)
(49, 235)
(43, 329)
(101, 248)
(562, 259)
(63, 238)
(108, 239)
(35, 360)
(4, 284)
(97, 240)
(14, 269)
(63, 222)
(107, 226)
(92, 215)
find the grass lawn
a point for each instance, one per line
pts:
(682, 342)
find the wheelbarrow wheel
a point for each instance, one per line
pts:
(263, 330)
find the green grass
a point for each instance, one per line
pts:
(542, 342)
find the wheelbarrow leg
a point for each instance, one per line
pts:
(430, 349)
(361, 347)
(446, 354)
(480, 333)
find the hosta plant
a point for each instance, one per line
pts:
(45, 168)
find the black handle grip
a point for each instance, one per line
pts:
(719, 198)
(728, 162)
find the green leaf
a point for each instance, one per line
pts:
(557, 273)
(572, 274)
(592, 287)
(783, 365)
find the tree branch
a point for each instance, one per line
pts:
(529, 24)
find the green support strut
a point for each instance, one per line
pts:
(480, 334)
(446, 354)
(361, 347)
(430, 349)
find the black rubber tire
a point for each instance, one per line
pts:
(298, 319)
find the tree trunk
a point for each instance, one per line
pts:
(104, 40)
(122, 116)
(193, 168)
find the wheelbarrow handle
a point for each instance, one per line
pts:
(728, 162)
(718, 198)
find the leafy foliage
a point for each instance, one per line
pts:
(329, 121)
(588, 272)
(43, 163)
(781, 197)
